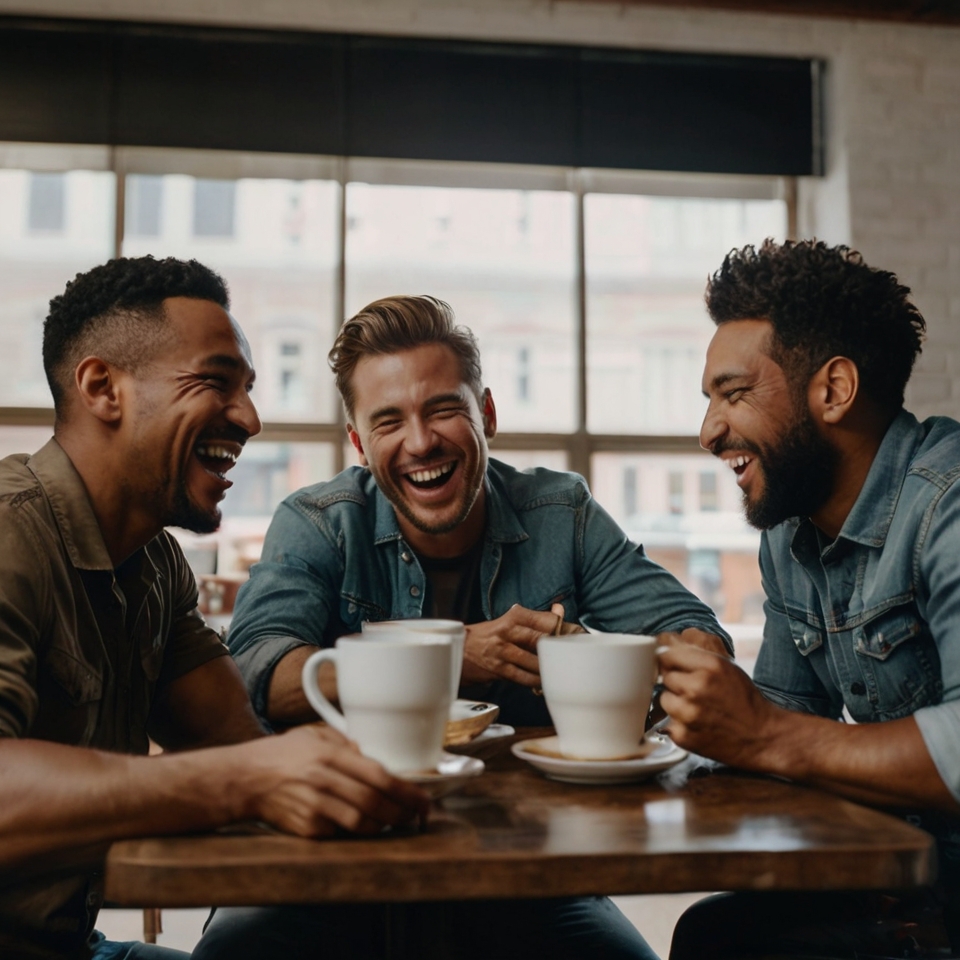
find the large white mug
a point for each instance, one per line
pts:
(395, 697)
(426, 630)
(598, 688)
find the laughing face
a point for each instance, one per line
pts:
(761, 430)
(423, 433)
(191, 416)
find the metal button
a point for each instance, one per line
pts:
(414, 591)
(351, 608)
(405, 557)
(858, 689)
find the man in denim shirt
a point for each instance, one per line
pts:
(429, 526)
(860, 510)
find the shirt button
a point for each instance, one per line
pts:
(414, 591)
(351, 608)
(405, 557)
(858, 689)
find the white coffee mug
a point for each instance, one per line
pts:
(395, 697)
(598, 687)
(426, 630)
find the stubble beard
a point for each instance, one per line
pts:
(180, 511)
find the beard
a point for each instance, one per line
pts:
(468, 497)
(798, 475)
(182, 512)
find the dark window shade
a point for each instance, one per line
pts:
(136, 84)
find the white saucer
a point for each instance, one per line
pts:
(665, 755)
(452, 773)
(486, 743)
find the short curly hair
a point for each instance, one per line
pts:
(116, 312)
(823, 302)
(402, 323)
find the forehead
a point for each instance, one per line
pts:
(406, 377)
(203, 329)
(740, 348)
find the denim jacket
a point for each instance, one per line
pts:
(871, 622)
(334, 556)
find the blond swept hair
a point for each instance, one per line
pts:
(402, 323)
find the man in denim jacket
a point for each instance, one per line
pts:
(429, 526)
(860, 510)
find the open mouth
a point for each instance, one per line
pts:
(739, 464)
(217, 457)
(431, 478)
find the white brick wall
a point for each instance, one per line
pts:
(893, 114)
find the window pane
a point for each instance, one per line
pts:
(691, 525)
(503, 259)
(265, 474)
(275, 243)
(647, 261)
(52, 227)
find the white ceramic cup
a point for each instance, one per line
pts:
(395, 697)
(426, 630)
(598, 687)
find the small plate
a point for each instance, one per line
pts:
(451, 774)
(486, 744)
(468, 719)
(545, 756)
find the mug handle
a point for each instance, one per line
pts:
(312, 690)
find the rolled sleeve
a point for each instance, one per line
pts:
(940, 728)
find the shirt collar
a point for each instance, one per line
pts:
(869, 520)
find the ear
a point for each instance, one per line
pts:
(489, 414)
(357, 444)
(833, 390)
(98, 391)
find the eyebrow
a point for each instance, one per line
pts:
(227, 362)
(721, 380)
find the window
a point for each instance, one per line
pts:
(213, 202)
(584, 289)
(46, 211)
(144, 201)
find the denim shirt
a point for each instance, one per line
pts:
(871, 622)
(334, 556)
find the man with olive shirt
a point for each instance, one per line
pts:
(430, 526)
(860, 510)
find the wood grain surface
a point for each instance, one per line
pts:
(513, 833)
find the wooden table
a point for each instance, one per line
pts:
(513, 833)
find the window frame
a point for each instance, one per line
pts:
(580, 444)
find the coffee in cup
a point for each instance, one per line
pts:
(395, 697)
(598, 689)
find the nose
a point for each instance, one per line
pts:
(419, 440)
(244, 414)
(712, 428)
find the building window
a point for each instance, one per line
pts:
(213, 208)
(523, 374)
(144, 201)
(675, 492)
(708, 491)
(629, 491)
(46, 211)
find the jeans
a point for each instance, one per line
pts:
(828, 925)
(104, 949)
(570, 928)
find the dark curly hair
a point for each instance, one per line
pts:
(116, 312)
(823, 302)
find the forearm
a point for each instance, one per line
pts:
(286, 702)
(885, 764)
(55, 797)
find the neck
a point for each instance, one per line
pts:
(124, 525)
(454, 543)
(858, 448)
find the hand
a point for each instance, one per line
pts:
(715, 709)
(316, 781)
(696, 638)
(506, 647)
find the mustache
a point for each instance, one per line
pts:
(231, 432)
(734, 445)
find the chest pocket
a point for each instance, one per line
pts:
(70, 694)
(899, 665)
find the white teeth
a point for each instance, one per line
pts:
(216, 452)
(422, 476)
(734, 462)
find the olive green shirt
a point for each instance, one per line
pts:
(84, 649)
